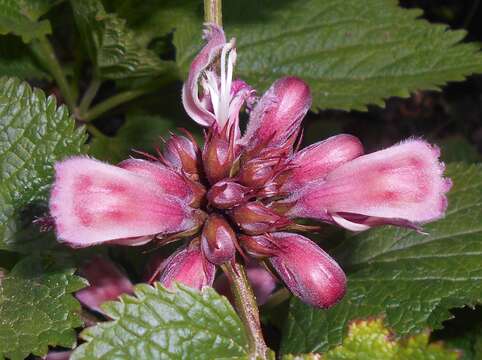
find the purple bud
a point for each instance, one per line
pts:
(188, 266)
(225, 194)
(217, 240)
(309, 272)
(183, 153)
(218, 155)
(255, 218)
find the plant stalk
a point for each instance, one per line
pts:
(245, 303)
(213, 12)
(89, 95)
(46, 55)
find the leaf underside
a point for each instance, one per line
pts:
(352, 53)
(410, 278)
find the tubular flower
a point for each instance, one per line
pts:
(246, 192)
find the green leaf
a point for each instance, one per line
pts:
(17, 60)
(371, 340)
(115, 49)
(20, 17)
(458, 149)
(34, 133)
(140, 132)
(37, 308)
(352, 53)
(412, 279)
(162, 324)
(151, 20)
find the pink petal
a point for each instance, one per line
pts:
(168, 180)
(215, 38)
(93, 202)
(308, 271)
(278, 114)
(316, 161)
(403, 183)
(58, 355)
(187, 266)
(106, 281)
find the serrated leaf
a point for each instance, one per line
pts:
(162, 324)
(152, 19)
(115, 49)
(20, 17)
(17, 60)
(37, 308)
(412, 279)
(34, 133)
(352, 53)
(139, 132)
(369, 339)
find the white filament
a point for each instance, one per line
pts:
(220, 92)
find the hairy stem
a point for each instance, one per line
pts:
(212, 12)
(245, 302)
(46, 55)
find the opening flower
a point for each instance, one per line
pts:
(246, 193)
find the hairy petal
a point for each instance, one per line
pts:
(214, 35)
(308, 271)
(106, 281)
(278, 114)
(93, 202)
(402, 184)
(316, 161)
(168, 180)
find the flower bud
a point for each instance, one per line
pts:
(225, 194)
(309, 272)
(255, 173)
(217, 240)
(218, 156)
(278, 114)
(260, 246)
(255, 218)
(183, 153)
(188, 266)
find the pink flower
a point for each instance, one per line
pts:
(401, 185)
(92, 202)
(106, 281)
(244, 192)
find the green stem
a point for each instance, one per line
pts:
(46, 55)
(89, 95)
(245, 302)
(212, 12)
(111, 103)
(124, 97)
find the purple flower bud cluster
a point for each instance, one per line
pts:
(246, 193)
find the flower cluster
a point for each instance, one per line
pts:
(246, 192)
